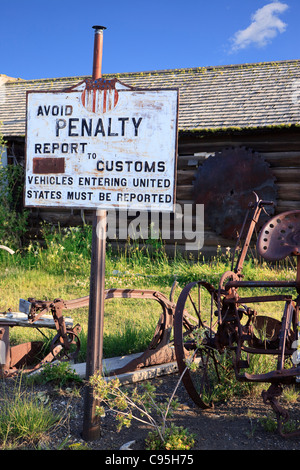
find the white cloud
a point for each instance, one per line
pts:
(264, 27)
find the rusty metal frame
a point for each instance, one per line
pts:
(229, 307)
(159, 351)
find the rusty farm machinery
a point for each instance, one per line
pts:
(65, 345)
(205, 323)
(230, 321)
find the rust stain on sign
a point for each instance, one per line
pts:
(47, 166)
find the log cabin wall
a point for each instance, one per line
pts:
(255, 106)
(280, 148)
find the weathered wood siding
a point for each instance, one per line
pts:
(280, 148)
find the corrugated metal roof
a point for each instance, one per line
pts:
(233, 96)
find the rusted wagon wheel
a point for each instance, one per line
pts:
(193, 337)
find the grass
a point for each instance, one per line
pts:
(24, 419)
(61, 269)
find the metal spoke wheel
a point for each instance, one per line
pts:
(194, 338)
(68, 349)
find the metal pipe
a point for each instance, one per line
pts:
(97, 281)
(91, 423)
(98, 52)
(260, 284)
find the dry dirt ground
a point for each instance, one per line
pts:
(229, 426)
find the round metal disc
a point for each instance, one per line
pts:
(280, 236)
(225, 184)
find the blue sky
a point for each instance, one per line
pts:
(43, 39)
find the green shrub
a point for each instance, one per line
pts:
(175, 438)
(141, 404)
(59, 374)
(13, 219)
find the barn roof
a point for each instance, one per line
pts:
(255, 95)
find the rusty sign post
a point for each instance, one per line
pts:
(91, 424)
(101, 145)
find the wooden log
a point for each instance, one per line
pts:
(259, 146)
(286, 175)
(282, 159)
(284, 206)
(184, 192)
(289, 191)
(281, 175)
(185, 177)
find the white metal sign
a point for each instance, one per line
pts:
(102, 145)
